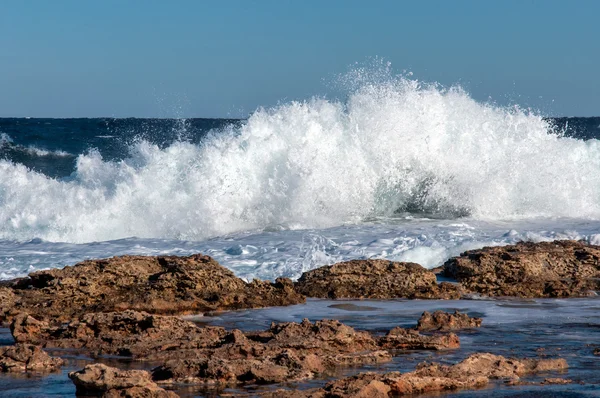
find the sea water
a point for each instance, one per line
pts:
(400, 169)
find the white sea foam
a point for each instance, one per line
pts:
(394, 146)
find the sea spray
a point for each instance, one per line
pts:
(394, 146)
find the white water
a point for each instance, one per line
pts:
(397, 145)
(310, 183)
(268, 255)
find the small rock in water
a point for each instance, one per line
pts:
(445, 321)
(105, 381)
(27, 358)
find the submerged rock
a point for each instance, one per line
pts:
(408, 339)
(159, 285)
(444, 321)
(378, 279)
(545, 269)
(104, 381)
(27, 358)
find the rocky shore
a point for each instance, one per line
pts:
(130, 307)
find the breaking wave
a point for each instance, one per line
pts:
(393, 147)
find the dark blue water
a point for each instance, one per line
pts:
(51, 146)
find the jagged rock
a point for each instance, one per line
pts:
(444, 321)
(128, 333)
(27, 329)
(474, 372)
(7, 302)
(407, 339)
(380, 279)
(285, 352)
(546, 269)
(158, 285)
(27, 358)
(105, 381)
(492, 366)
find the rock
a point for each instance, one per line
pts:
(444, 321)
(7, 302)
(159, 285)
(546, 269)
(379, 279)
(27, 329)
(27, 358)
(127, 333)
(597, 351)
(105, 381)
(556, 380)
(474, 372)
(398, 384)
(407, 339)
(285, 352)
(492, 366)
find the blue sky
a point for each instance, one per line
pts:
(225, 58)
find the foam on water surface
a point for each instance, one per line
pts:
(271, 254)
(395, 146)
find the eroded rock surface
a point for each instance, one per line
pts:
(127, 333)
(379, 279)
(286, 351)
(104, 381)
(159, 285)
(27, 358)
(474, 372)
(408, 339)
(545, 269)
(445, 321)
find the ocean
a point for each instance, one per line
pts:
(400, 170)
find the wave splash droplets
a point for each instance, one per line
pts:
(394, 146)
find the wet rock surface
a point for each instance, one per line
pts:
(378, 279)
(545, 269)
(159, 285)
(27, 358)
(127, 333)
(444, 321)
(104, 381)
(286, 351)
(474, 372)
(408, 339)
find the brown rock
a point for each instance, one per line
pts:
(7, 302)
(381, 279)
(474, 372)
(27, 329)
(285, 352)
(445, 321)
(408, 339)
(27, 358)
(105, 381)
(159, 285)
(597, 351)
(128, 333)
(546, 269)
(492, 366)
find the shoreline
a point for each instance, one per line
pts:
(513, 327)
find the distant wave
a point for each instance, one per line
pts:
(7, 145)
(394, 146)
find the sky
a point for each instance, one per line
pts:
(226, 58)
